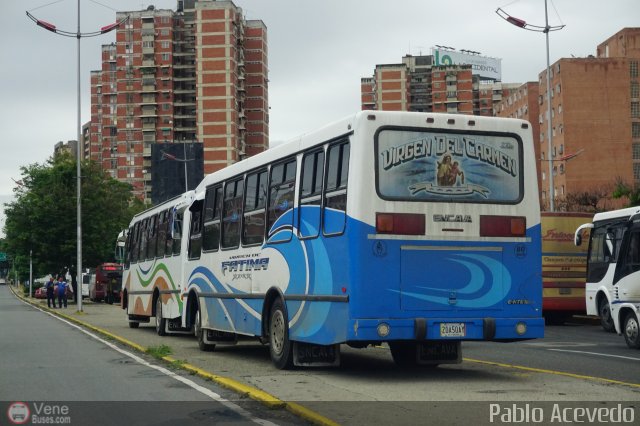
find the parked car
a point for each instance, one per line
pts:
(40, 293)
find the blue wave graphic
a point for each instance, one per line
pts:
(487, 281)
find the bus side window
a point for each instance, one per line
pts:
(162, 234)
(144, 235)
(168, 249)
(213, 206)
(335, 195)
(311, 194)
(177, 230)
(133, 246)
(153, 237)
(195, 232)
(231, 214)
(632, 258)
(282, 186)
(254, 208)
(132, 255)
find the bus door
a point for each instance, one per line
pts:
(627, 273)
(604, 248)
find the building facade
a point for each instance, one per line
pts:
(194, 75)
(595, 120)
(419, 84)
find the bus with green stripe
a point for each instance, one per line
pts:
(153, 266)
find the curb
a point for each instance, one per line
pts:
(256, 394)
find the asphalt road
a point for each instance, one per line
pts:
(574, 364)
(51, 361)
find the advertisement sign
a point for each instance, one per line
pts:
(442, 166)
(485, 67)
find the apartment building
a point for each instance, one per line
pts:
(195, 75)
(595, 120)
(421, 84)
(522, 102)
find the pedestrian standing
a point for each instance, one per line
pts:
(62, 291)
(51, 300)
(74, 286)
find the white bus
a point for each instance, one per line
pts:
(612, 290)
(153, 265)
(418, 230)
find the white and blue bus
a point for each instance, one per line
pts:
(418, 230)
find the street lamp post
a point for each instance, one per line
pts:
(78, 35)
(30, 273)
(546, 29)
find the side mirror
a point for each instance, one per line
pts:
(577, 238)
(609, 241)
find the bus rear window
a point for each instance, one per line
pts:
(418, 165)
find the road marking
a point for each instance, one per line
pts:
(557, 373)
(236, 386)
(207, 392)
(559, 344)
(598, 354)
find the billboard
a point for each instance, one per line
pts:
(483, 66)
(169, 162)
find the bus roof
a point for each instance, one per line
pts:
(350, 124)
(616, 214)
(177, 201)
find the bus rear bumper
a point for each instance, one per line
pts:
(445, 329)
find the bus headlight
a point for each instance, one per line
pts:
(383, 329)
(521, 328)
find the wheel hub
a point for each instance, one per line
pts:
(632, 330)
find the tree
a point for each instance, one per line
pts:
(42, 218)
(624, 190)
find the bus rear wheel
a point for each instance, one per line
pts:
(604, 312)
(280, 346)
(161, 323)
(631, 331)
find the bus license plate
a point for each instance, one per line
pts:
(565, 290)
(452, 329)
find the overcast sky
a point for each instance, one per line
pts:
(318, 51)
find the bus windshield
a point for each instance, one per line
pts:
(437, 165)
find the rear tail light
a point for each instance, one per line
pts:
(503, 226)
(400, 223)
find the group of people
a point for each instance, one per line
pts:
(57, 289)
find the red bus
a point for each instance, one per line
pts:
(108, 283)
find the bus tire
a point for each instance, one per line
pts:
(134, 324)
(161, 323)
(631, 331)
(404, 354)
(604, 312)
(280, 346)
(199, 332)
